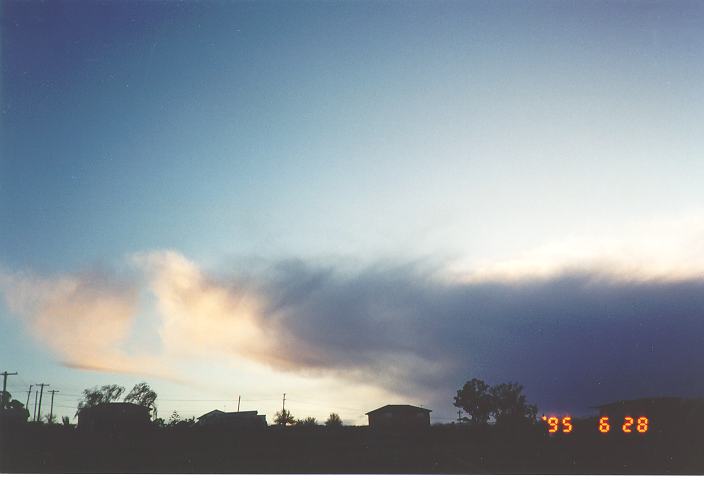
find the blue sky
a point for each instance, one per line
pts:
(223, 142)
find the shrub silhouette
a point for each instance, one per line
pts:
(284, 418)
(307, 422)
(333, 420)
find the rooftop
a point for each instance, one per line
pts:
(398, 408)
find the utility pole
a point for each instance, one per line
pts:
(51, 410)
(36, 395)
(41, 392)
(4, 386)
(283, 405)
(239, 397)
(29, 393)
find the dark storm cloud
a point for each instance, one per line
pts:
(574, 340)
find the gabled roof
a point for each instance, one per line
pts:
(399, 408)
(246, 413)
(212, 412)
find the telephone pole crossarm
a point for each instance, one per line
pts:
(4, 386)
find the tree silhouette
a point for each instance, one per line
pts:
(510, 405)
(99, 395)
(505, 403)
(142, 394)
(284, 418)
(476, 400)
(333, 420)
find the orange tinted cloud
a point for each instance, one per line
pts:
(84, 318)
(201, 314)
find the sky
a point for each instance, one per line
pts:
(353, 203)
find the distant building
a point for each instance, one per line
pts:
(114, 417)
(399, 417)
(218, 418)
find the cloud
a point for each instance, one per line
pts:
(573, 338)
(84, 318)
(657, 248)
(199, 312)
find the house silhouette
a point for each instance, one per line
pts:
(114, 417)
(399, 417)
(218, 418)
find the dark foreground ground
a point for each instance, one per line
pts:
(441, 449)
